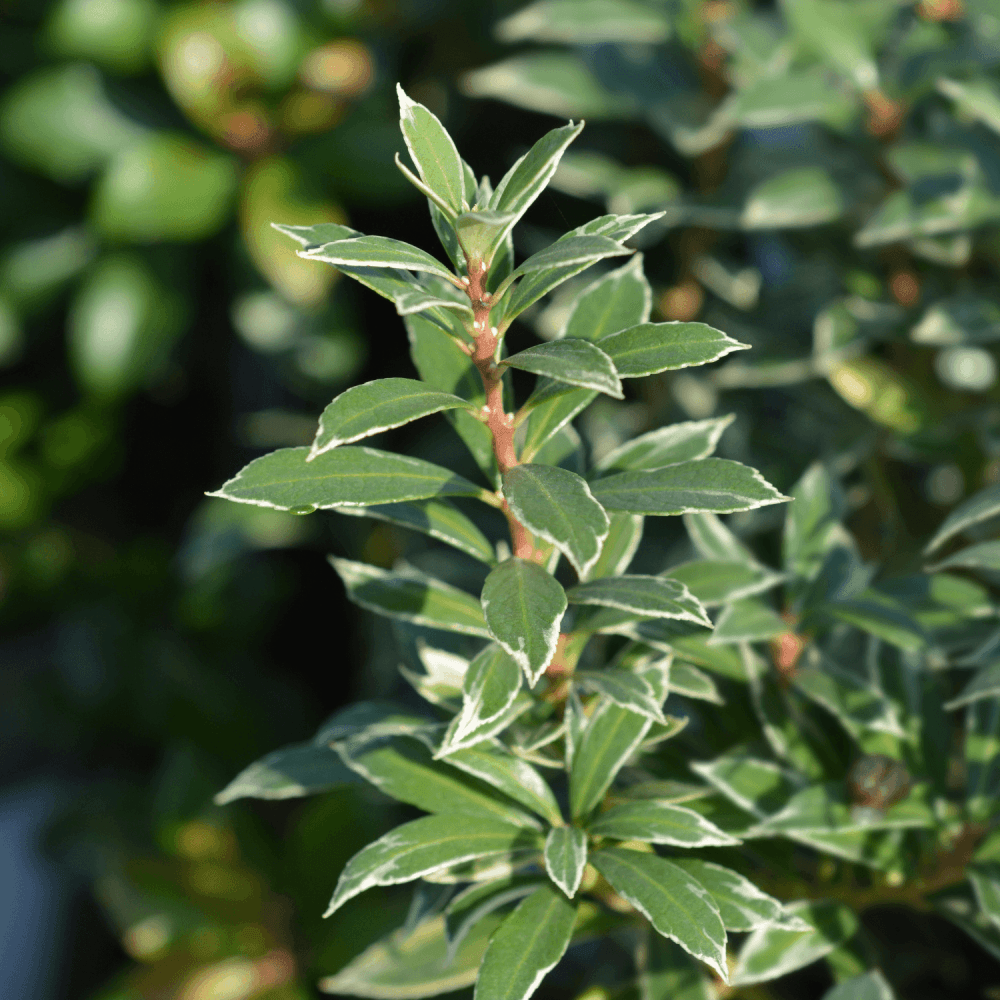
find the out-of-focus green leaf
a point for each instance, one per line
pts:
(586, 22)
(667, 972)
(116, 34)
(760, 787)
(557, 505)
(870, 986)
(423, 846)
(289, 773)
(551, 407)
(526, 946)
(984, 684)
(718, 581)
(718, 485)
(683, 442)
(771, 952)
(747, 620)
(412, 964)
(523, 606)
(166, 187)
(985, 882)
(976, 98)
(982, 757)
(675, 903)
(979, 507)
(803, 197)
(412, 597)
(959, 319)
(565, 857)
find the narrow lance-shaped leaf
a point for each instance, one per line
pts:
(985, 683)
(576, 362)
(674, 902)
(351, 476)
(570, 251)
(619, 547)
(566, 857)
(651, 596)
(523, 606)
(616, 301)
(378, 251)
(526, 946)
(586, 22)
(423, 846)
(718, 581)
(468, 908)
(668, 445)
(436, 518)
(984, 555)
(477, 234)
(870, 986)
(551, 406)
(711, 484)
(747, 620)
(659, 823)
(418, 599)
(288, 773)
(659, 347)
(624, 688)
(612, 735)
(433, 153)
(742, 906)
(557, 505)
(377, 406)
(979, 507)
(494, 764)
(489, 688)
(402, 767)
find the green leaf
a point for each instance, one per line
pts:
(674, 903)
(975, 98)
(651, 596)
(659, 823)
(667, 972)
(717, 581)
(489, 688)
(412, 597)
(982, 758)
(979, 507)
(454, 741)
(619, 547)
(424, 846)
(433, 153)
(881, 616)
(412, 964)
(345, 477)
(985, 555)
(710, 484)
(811, 527)
(713, 540)
(747, 620)
(805, 196)
(533, 286)
(436, 518)
(985, 882)
(771, 952)
(481, 235)
(692, 683)
(469, 907)
(624, 688)
(377, 406)
(442, 364)
(557, 505)
(742, 906)
(615, 301)
(441, 682)
(612, 735)
(526, 946)
(793, 97)
(857, 704)
(378, 251)
(959, 319)
(586, 22)
(288, 773)
(566, 857)
(570, 251)
(658, 347)
(871, 986)
(556, 83)
(523, 606)
(526, 180)
(550, 407)
(402, 767)
(494, 764)
(576, 362)
(760, 787)
(667, 446)
(985, 683)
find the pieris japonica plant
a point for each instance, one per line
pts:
(556, 812)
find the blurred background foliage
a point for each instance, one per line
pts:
(830, 173)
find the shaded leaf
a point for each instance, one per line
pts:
(550, 407)
(668, 445)
(288, 773)
(985, 683)
(615, 301)
(871, 986)
(979, 507)
(585, 22)
(716, 581)
(805, 196)
(747, 620)
(624, 536)
(468, 908)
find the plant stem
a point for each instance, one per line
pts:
(500, 423)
